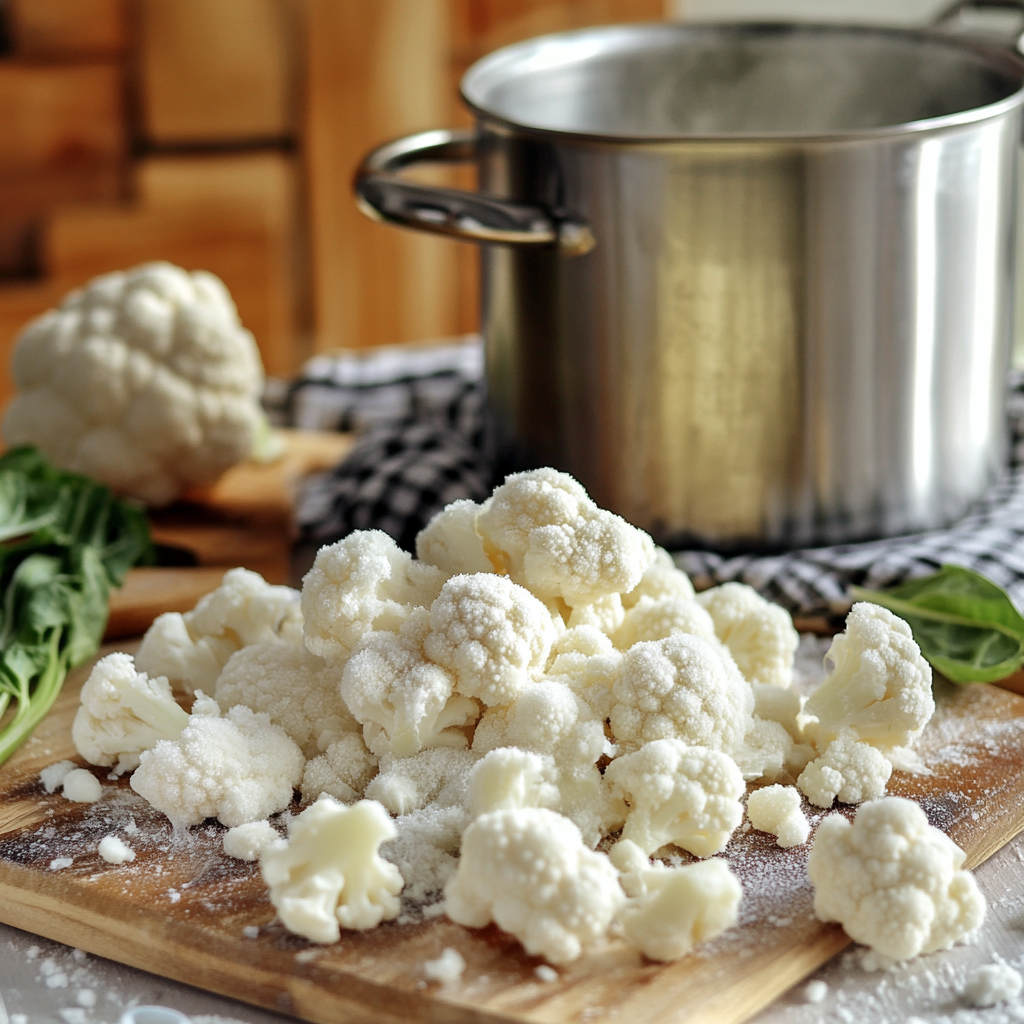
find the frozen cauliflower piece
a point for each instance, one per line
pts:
(362, 583)
(492, 635)
(144, 380)
(123, 713)
(758, 633)
(507, 778)
(605, 614)
(298, 690)
(343, 771)
(893, 881)
(777, 704)
(679, 688)
(192, 649)
(544, 531)
(238, 768)
(852, 771)
(247, 842)
(528, 871)
(877, 684)
(426, 849)
(766, 751)
(329, 873)
(450, 540)
(776, 809)
(656, 618)
(992, 984)
(671, 910)
(439, 775)
(661, 579)
(689, 796)
(404, 701)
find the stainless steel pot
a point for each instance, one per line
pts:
(753, 286)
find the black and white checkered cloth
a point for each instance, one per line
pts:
(423, 445)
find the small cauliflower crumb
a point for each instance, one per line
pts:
(53, 776)
(247, 842)
(992, 984)
(815, 991)
(114, 851)
(545, 973)
(59, 863)
(447, 968)
(81, 786)
(776, 810)
(251, 931)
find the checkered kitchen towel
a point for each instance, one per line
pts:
(423, 445)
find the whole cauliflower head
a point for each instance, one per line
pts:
(689, 796)
(144, 379)
(543, 529)
(877, 683)
(528, 871)
(759, 634)
(364, 582)
(679, 688)
(893, 881)
(491, 634)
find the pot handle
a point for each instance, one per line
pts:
(382, 195)
(948, 16)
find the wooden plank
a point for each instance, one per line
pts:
(68, 28)
(216, 70)
(180, 908)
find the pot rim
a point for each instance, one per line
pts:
(999, 58)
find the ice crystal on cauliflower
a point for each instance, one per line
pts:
(438, 776)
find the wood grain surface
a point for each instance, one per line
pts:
(180, 909)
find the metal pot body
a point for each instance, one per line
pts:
(782, 337)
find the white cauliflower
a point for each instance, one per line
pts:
(192, 649)
(528, 871)
(124, 712)
(776, 809)
(758, 633)
(343, 771)
(426, 849)
(850, 770)
(362, 583)
(144, 379)
(671, 910)
(542, 528)
(679, 688)
(450, 540)
(492, 635)
(877, 684)
(766, 751)
(661, 579)
(247, 842)
(238, 768)
(654, 618)
(893, 881)
(438, 775)
(403, 701)
(605, 614)
(689, 796)
(507, 778)
(779, 704)
(329, 873)
(298, 690)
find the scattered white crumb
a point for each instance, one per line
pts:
(54, 776)
(18, 1018)
(991, 984)
(82, 786)
(73, 1015)
(433, 910)
(32, 952)
(251, 931)
(447, 968)
(59, 863)
(871, 960)
(57, 980)
(86, 997)
(173, 895)
(246, 842)
(79, 954)
(816, 991)
(114, 851)
(545, 973)
(131, 828)
(305, 956)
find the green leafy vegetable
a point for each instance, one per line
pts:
(64, 542)
(965, 625)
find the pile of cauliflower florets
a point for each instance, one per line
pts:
(478, 720)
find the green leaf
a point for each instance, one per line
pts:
(965, 625)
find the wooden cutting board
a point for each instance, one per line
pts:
(180, 909)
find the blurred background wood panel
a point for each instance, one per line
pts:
(68, 28)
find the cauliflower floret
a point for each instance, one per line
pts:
(605, 614)
(776, 809)
(491, 634)
(123, 713)
(192, 649)
(328, 872)
(671, 910)
(877, 683)
(662, 578)
(238, 768)
(758, 633)
(766, 751)
(144, 380)
(852, 771)
(689, 796)
(542, 528)
(776, 704)
(404, 702)
(682, 688)
(528, 871)
(450, 540)
(426, 849)
(654, 618)
(298, 690)
(362, 583)
(248, 841)
(343, 771)
(438, 776)
(507, 778)
(893, 881)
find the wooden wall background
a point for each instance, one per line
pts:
(223, 134)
